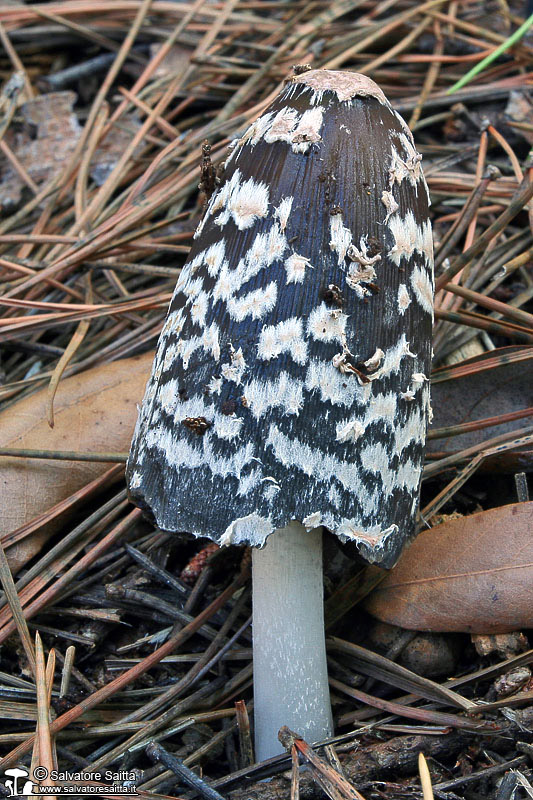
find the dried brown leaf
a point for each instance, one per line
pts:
(472, 574)
(94, 411)
(504, 389)
(48, 137)
(175, 61)
(520, 110)
(46, 140)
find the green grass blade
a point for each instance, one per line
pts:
(493, 56)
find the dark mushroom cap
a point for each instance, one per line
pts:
(290, 376)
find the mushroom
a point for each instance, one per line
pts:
(288, 391)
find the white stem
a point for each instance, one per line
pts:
(290, 670)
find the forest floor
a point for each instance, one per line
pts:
(128, 649)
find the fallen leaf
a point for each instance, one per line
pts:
(111, 148)
(94, 411)
(47, 138)
(175, 61)
(506, 388)
(43, 145)
(520, 109)
(472, 574)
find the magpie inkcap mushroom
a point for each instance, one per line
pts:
(289, 390)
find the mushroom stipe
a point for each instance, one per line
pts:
(299, 334)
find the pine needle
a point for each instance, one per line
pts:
(425, 777)
(513, 39)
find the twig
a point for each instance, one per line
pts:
(335, 785)
(158, 753)
(118, 683)
(245, 739)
